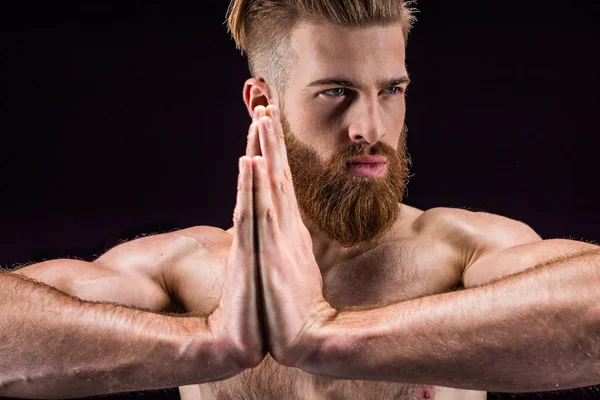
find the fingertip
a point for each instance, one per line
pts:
(273, 111)
(259, 111)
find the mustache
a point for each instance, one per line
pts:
(353, 150)
(362, 149)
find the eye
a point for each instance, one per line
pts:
(337, 92)
(395, 90)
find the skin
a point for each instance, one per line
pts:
(307, 332)
(260, 286)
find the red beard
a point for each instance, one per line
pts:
(348, 209)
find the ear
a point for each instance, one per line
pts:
(258, 93)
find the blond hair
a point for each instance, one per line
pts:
(262, 28)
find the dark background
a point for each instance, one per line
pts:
(122, 118)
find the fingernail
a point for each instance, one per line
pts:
(255, 116)
(276, 114)
(270, 126)
(240, 164)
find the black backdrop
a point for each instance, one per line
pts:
(122, 118)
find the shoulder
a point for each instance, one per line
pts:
(207, 236)
(188, 263)
(460, 224)
(473, 234)
(164, 248)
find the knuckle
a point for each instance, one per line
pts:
(243, 187)
(270, 215)
(273, 182)
(239, 217)
(283, 187)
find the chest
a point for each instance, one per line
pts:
(390, 273)
(393, 272)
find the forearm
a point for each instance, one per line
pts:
(536, 331)
(56, 346)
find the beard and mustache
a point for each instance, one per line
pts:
(348, 209)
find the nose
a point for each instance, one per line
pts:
(367, 124)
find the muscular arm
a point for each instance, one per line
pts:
(536, 329)
(71, 329)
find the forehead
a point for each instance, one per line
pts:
(323, 49)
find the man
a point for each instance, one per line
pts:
(352, 293)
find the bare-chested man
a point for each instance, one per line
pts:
(327, 286)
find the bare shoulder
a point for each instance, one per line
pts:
(459, 226)
(473, 233)
(156, 250)
(171, 258)
(188, 263)
(208, 236)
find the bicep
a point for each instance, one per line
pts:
(100, 282)
(186, 264)
(158, 273)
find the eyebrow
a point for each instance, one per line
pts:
(341, 81)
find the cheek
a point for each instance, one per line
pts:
(312, 130)
(395, 120)
(309, 134)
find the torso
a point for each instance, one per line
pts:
(410, 263)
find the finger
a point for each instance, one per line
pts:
(280, 176)
(264, 210)
(269, 146)
(259, 112)
(281, 186)
(253, 144)
(274, 112)
(243, 215)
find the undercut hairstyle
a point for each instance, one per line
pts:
(262, 28)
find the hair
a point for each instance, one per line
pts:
(262, 28)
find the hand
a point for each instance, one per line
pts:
(292, 285)
(237, 322)
(253, 144)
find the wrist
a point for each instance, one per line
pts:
(206, 354)
(310, 342)
(241, 348)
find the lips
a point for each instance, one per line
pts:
(367, 166)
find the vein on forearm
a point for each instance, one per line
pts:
(537, 330)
